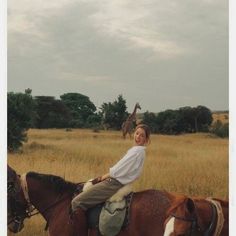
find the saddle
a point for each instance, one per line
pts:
(110, 217)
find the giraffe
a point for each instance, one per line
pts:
(127, 125)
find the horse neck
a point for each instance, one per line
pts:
(225, 230)
(41, 197)
(204, 213)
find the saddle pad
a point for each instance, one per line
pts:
(112, 217)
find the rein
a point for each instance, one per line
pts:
(50, 206)
(220, 216)
(193, 221)
(30, 207)
(183, 218)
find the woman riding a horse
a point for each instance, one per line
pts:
(127, 170)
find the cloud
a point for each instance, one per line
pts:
(24, 16)
(105, 48)
(133, 23)
(68, 76)
(124, 21)
(164, 29)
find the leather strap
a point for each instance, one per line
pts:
(220, 216)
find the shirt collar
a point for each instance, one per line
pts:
(139, 148)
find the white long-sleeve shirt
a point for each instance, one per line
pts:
(129, 168)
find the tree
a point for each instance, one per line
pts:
(114, 114)
(203, 118)
(220, 129)
(150, 119)
(196, 119)
(170, 122)
(183, 120)
(51, 113)
(20, 114)
(80, 107)
(187, 114)
(94, 121)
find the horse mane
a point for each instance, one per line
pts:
(57, 183)
(178, 201)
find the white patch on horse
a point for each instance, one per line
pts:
(169, 227)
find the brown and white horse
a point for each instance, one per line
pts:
(198, 216)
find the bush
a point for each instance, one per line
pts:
(20, 112)
(220, 129)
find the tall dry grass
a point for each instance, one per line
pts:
(193, 164)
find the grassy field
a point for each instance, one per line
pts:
(193, 164)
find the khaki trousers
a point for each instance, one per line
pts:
(96, 194)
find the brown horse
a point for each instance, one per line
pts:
(198, 216)
(51, 196)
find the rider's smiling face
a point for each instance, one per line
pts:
(140, 137)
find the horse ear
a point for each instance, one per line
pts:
(190, 205)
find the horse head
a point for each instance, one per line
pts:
(16, 203)
(195, 217)
(182, 219)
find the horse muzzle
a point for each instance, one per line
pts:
(16, 225)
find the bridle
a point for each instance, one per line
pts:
(20, 211)
(195, 228)
(17, 209)
(193, 221)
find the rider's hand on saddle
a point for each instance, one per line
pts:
(97, 180)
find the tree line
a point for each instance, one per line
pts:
(75, 110)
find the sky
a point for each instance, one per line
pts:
(162, 54)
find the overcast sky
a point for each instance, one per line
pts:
(162, 54)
